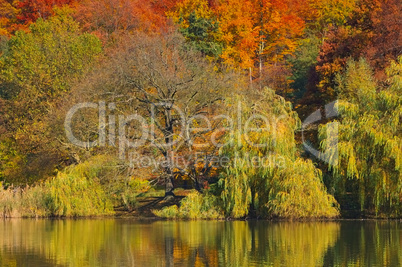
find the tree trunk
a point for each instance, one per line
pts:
(197, 185)
(169, 186)
(169, 155)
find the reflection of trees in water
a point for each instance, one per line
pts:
(200, 243)
(367, 243)
(11, 259)
(278, 244)
(64, 242)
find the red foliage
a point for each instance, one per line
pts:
(374, 32)
(386, 43)
(31, 10)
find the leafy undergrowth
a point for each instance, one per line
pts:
(193, 206)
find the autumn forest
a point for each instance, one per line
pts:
(207, 109)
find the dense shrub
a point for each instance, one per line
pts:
(74, 192)
(73, 195)
(193, 206)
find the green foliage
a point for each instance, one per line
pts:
(331, 13)
(200, 34)
(265, 177)
(170, 212)
(370, 138)
(44, 60)
(39, 65)
(90, 188)
(77, 192)
(193, 206)
(73, 192)
(297, 191)
(37, 68)
(303, 63)
(117, 181)
(11, 160)
(127, 192)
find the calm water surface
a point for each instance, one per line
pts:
(123, 242)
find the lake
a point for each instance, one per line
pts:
(125, 242)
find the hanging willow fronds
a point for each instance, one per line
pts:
(265, 176)
(370, 137)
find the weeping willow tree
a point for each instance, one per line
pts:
(370, 139)
(265, 177)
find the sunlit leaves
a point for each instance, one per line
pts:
(38, 67)
(329, 13)
(266, 178)
(53, 52)
(370, 137)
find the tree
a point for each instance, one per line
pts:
(326, 14)
(200, 34)
(373, 31)
(303, 63)
(199, 26)
(265, 177)
(253, 33)
(369, 162)
(36, 69)
(172, 88)
(238, 33)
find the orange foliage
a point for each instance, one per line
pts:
(253, 32)
(239, 32)
(8, 17)
(258, 31)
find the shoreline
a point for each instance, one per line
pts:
(143, 211)
(130, 216)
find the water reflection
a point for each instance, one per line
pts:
(119, 242)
